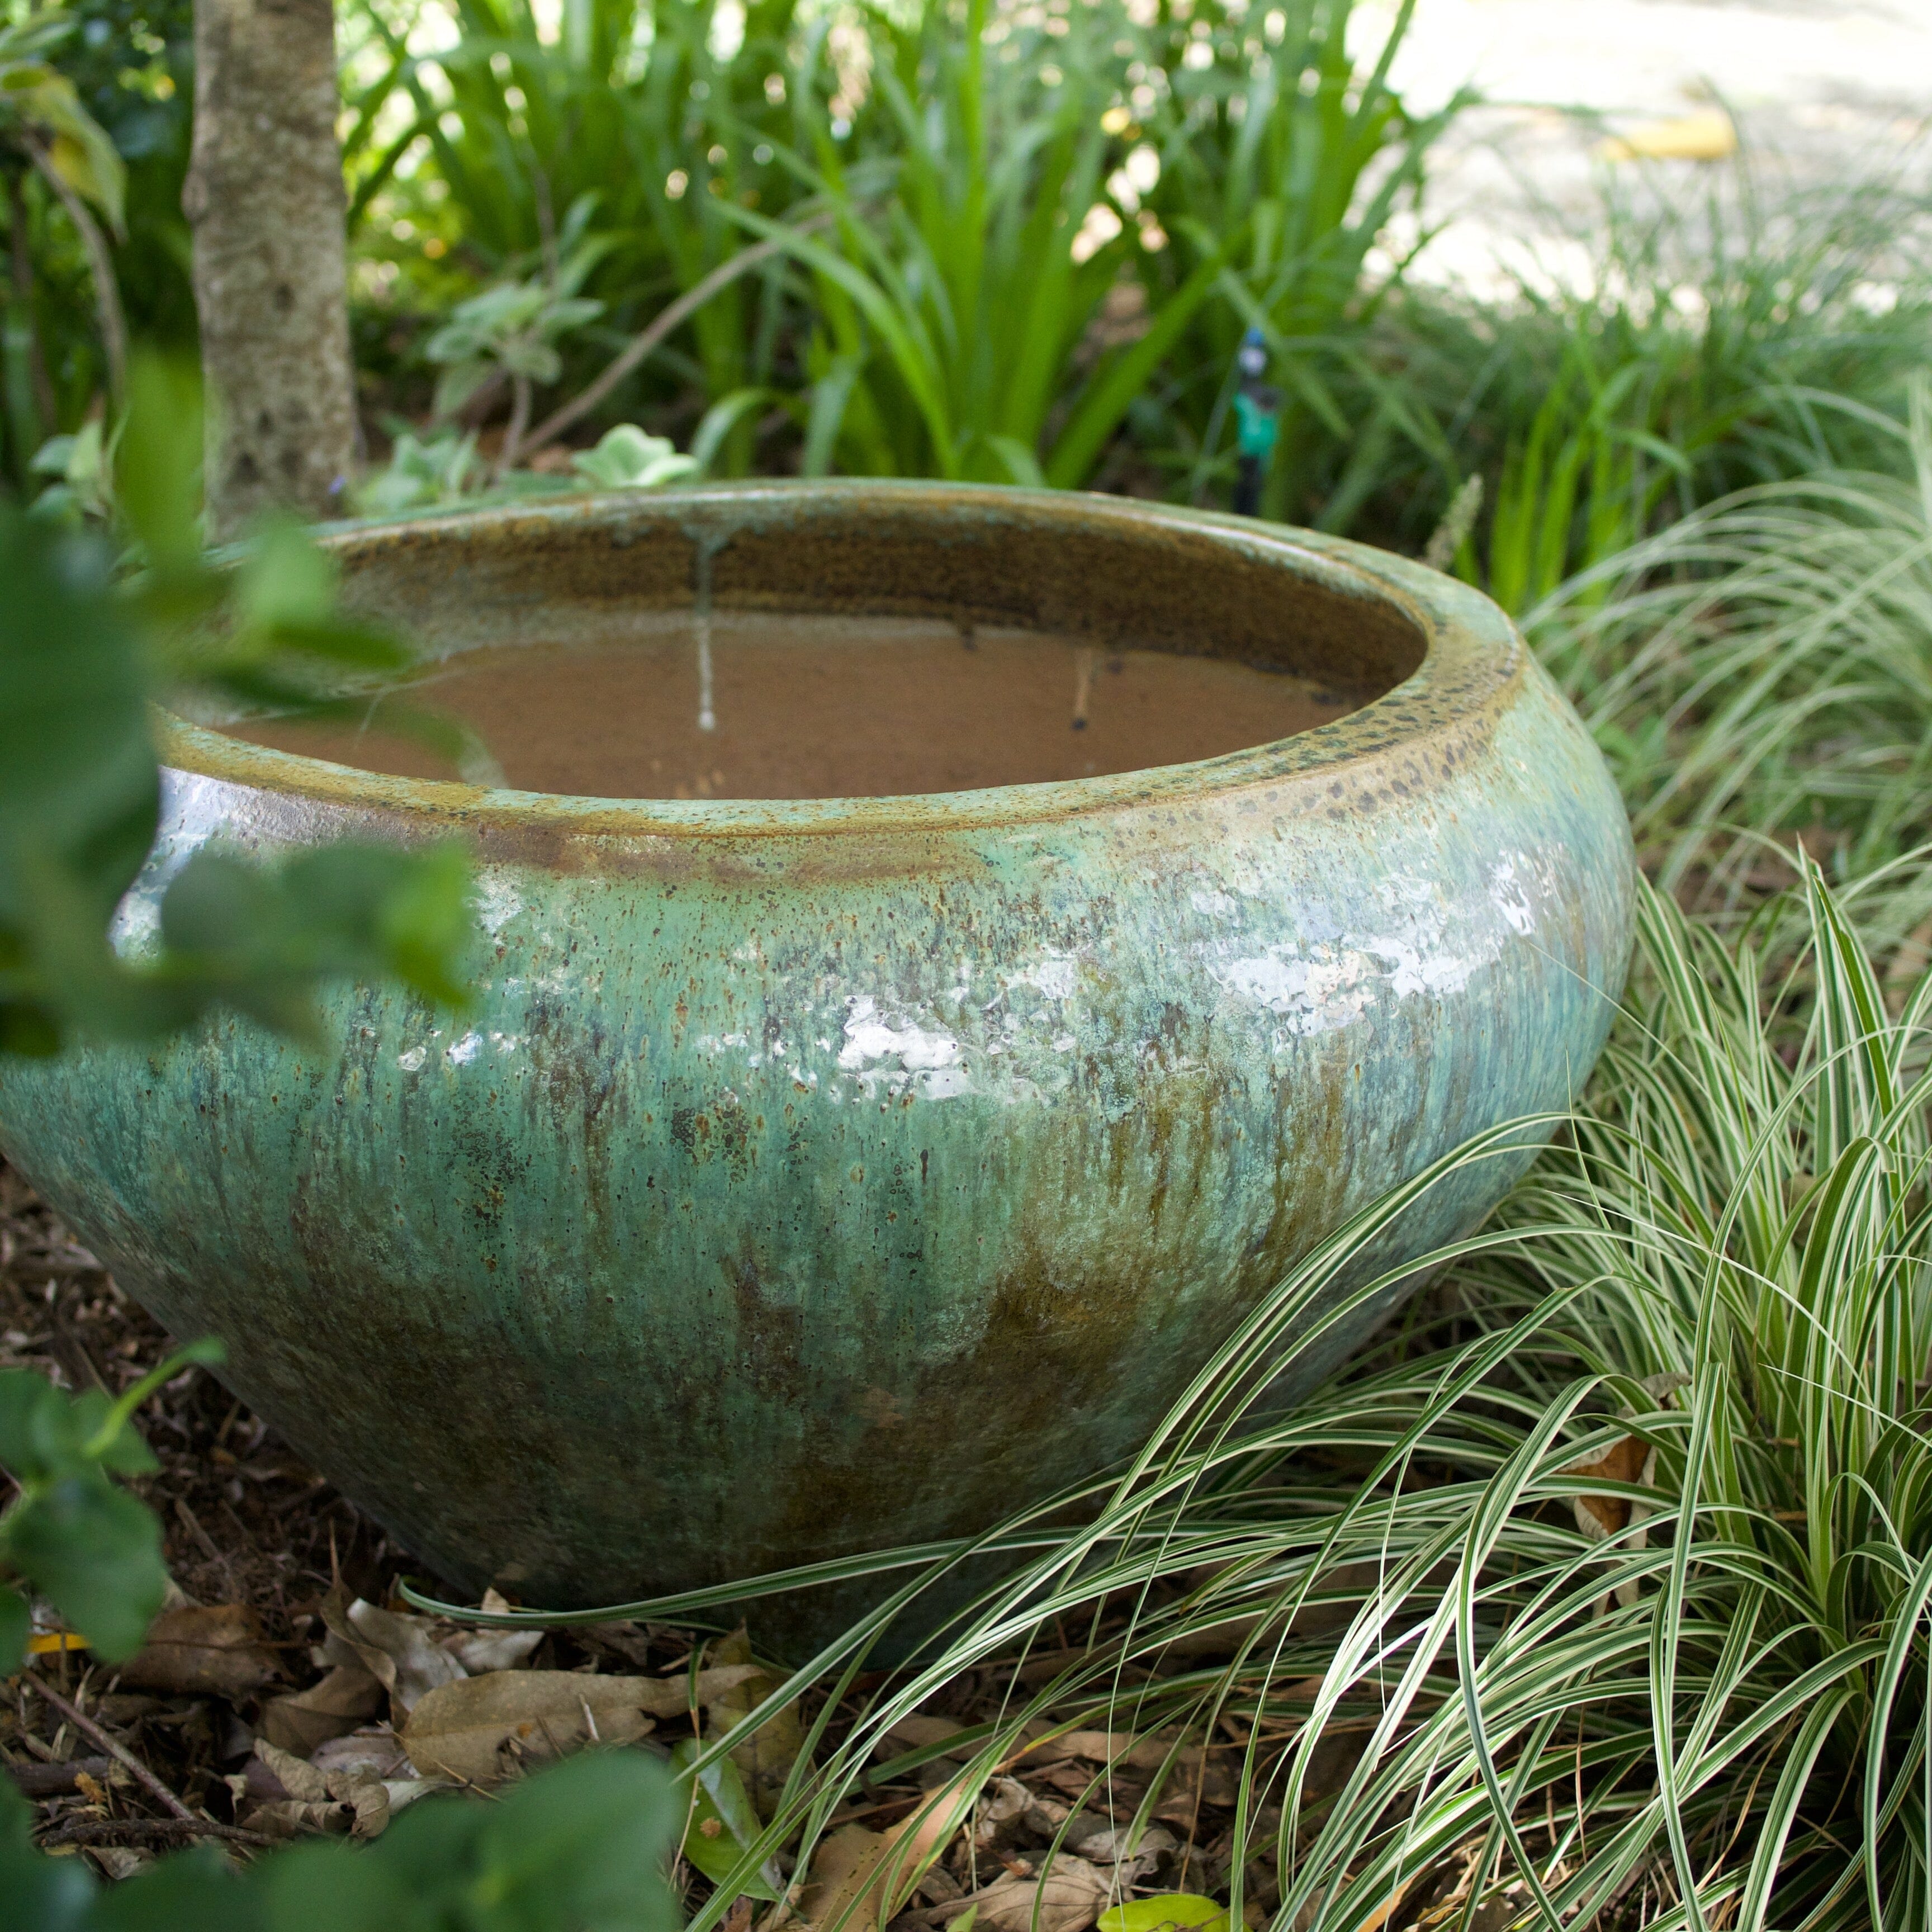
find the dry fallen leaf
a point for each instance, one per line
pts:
(401, 1651)
(917, 1730)
(1708, 135)
(477, 1729)
(840, 1867)
(860, 1878)
(374, 1748)
(479, 1652)
(215, 1649)
(356, 1801)
(296, 1776)
(1120, 1845)
(1631, 1460)
(1004, 1804)
(1069, 1898)
(1602, 1517)
(1121, 1750)
(347, 1697)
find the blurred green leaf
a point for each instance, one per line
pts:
(84, 492)
(94, 1553)
(157, 461)
(16, 1624)
(422, 472)
(90, 1548)
(284, 580)
(577, 1848)
(40, 109)
(626, 458)
(43, 1894)
(513, 328)
(79, 788)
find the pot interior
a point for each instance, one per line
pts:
(973, 658)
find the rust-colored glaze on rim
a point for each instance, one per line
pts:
(1470, 658)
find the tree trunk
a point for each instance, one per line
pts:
(271, 277)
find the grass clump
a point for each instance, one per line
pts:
(1763, 663)
(1690, 340)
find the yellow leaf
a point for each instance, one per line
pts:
(1705, 135)
(42, 1642)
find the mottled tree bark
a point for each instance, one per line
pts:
(271, 278)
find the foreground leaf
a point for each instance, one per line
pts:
(723, 1825)
(580, 1849)
(95, 1553)
(1166, 1912)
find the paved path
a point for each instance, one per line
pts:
(1825, 90)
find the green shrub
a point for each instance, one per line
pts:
(1284, 161)
(641, 125)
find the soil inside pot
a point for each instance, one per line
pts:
(759, 706)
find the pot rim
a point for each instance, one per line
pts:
(1473, 655)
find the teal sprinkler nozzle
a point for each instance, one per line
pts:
(1257, 416)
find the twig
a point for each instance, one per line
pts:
(56, 1779)
(106, 289)
(641, 345)
(87, 1727)
(105, 1831)
(878, 1810)
(513, 436)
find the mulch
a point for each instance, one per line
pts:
(244, 1521)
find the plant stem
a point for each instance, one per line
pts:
(86, 1725)
(641, 345)
(101, 259)
(43, 399)
(520, 419)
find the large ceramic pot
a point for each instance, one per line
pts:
(825, 1174)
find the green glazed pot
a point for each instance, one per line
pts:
(816, 1177)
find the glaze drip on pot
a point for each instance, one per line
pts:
(753, 705)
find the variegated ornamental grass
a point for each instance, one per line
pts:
(1763, 664)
